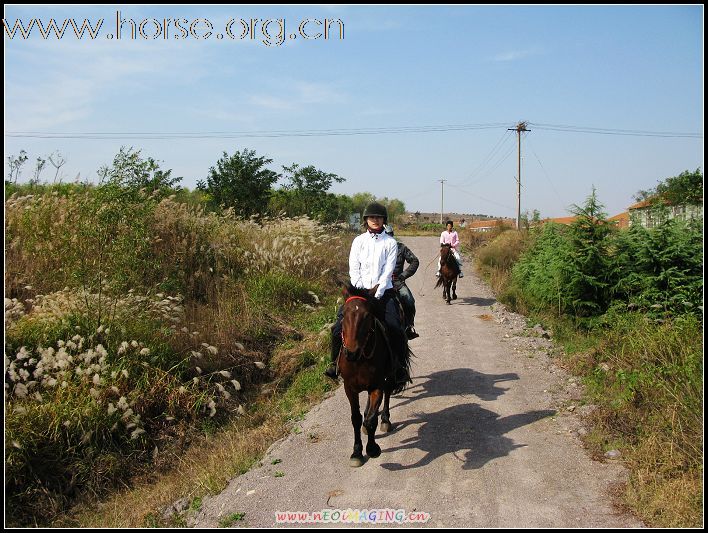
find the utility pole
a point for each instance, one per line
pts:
(521, 126)
(441, 199)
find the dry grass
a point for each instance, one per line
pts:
(194, 357)
(211, 461)
(205, 468)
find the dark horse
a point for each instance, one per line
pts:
(449, 269)
(368, 362)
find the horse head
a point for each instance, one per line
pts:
(358, 322)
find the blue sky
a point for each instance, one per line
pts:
(616, 68)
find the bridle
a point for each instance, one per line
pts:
(368, 335)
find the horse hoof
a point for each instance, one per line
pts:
(454, 296)
(448, 302)
(356, 461)
(386, 427)
(373, 450)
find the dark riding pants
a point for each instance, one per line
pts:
(408, 303)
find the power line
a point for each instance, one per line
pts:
(492, 153)
(343, 131)
(528, 141)
(614, 131)
(251, 134)
(481, 198)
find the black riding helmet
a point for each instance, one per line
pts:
(375, 209)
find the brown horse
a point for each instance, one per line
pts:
(449, 270)
(367, 362)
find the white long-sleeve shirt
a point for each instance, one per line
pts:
(372, 260)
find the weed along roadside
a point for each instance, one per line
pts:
(625, 306)
(169, 498)
(152, 343)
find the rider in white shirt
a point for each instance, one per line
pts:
(372, 260)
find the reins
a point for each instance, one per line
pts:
(368, 335)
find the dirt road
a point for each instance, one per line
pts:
(487, 435)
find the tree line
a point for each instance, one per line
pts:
(243, 181)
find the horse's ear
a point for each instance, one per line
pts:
(341, 284)
(373, 290)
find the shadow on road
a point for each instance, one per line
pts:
(459, 382)
(474, 435)
(473, 300)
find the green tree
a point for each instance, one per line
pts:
(360, 200)
(660, 270)
(309, 180)
(131, 170)
(394, 207)
(686, 188)
(240, 181)
(15, 165)
(590, 266)
(307, 190)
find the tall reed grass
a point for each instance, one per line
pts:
(132, 319)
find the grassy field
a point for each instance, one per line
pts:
(148, 338)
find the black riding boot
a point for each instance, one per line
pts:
(401, 373)
(331, 371)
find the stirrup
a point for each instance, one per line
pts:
(460, 275)
(411, 333)
(437, 274)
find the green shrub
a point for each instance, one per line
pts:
(660, 271)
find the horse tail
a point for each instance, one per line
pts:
(440, 282)
(403, 372)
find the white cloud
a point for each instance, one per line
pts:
(514, 55)
(271, 102)
(54, 85)
(300, 94)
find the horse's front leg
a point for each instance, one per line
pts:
(371, 421)
(366, 411)
(447, 286)
(356, 459)
(454, 288)
(386, 414)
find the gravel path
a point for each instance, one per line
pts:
(487, 435)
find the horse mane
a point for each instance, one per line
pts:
(364, 293)
(356, 291)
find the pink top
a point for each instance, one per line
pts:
(450, 238)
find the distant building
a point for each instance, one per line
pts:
(643, 213)
(489, 225)
(560, 220)
(621, 221)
